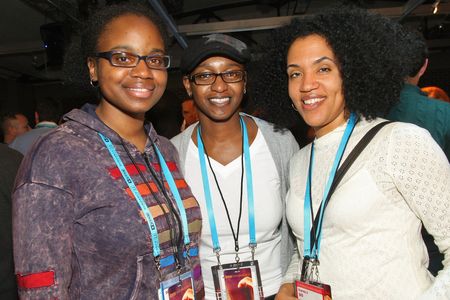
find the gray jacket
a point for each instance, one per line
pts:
(282, 146)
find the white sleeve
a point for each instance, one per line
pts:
(421, 173)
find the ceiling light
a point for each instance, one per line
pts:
(436, 6)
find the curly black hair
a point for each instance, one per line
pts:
(417, 52)
(85, 45)
(370, 55)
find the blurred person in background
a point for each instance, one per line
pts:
(189, 112)
(13, 125)
(47, 115)
(436, 93)
(9, 163)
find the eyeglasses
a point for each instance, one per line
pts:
(130, 60)
(210, 78)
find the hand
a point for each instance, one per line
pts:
(188, 295)
(246, 282)
(286, 292)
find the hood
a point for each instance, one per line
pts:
(86, 121)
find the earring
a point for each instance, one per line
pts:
(93, 83)
(245, 91)
(293, 107)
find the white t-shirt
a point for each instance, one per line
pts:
(268, 213)
(371, 245)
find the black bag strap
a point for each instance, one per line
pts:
(353, 155)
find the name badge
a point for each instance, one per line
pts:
(177, 288)
(240, 280)
(312, 290)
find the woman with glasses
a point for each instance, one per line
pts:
(236, 166)
(101, 209)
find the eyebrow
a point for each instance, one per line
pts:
(127, 48)
(317, 61)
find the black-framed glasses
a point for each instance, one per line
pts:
(208, 78)
(130, 60)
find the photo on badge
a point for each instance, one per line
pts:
(178, 288)
(238, 281)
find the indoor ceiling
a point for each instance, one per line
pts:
(23, 55)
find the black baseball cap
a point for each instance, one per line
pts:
(213, 45)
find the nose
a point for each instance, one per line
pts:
(309, 82)
(219, 85)
(141, 70)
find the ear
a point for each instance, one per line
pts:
(187, 86)
(36, 117)
(92, 65)
(423, 68)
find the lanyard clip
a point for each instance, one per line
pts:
(217, 252)
(187, 250)
(236, 258)
(157, 262)
(315, 270)
(252, 249)
(158, 266)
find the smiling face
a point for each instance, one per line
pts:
(218, 101)
(315, 83)
(130, 91)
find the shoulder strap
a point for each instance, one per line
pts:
(353, 155)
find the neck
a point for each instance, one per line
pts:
(8, 138)
(412, 80)
(338, 121)
(129, 127)
(222, 140)
(216, 132)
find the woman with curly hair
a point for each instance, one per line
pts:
(101, 209)
(344, 72)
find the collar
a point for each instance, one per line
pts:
(46, 124)
(410, 88)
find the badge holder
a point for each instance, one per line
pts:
(237, 281)
(309, 287)
(178, 288)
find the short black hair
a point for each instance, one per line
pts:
(49, 109)
(85, 45)
(368, 48)
(417, 52)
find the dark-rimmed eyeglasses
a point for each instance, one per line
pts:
(130, 60)
(208, 78)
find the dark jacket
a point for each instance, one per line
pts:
(77, 227)
(9, 163)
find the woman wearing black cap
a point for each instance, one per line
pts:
(237, 166)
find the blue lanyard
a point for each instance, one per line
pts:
(148, 216)
(312, 251)
(207, 190)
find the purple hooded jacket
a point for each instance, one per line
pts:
(78, 231)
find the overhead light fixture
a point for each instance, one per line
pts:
(436, 6)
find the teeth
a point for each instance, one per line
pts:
(312, 101)
(138, 90)
(220, 100)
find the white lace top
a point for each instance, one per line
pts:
(371, 244)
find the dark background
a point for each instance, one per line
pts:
(34, 34)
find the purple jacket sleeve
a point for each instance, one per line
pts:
(42, 225)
